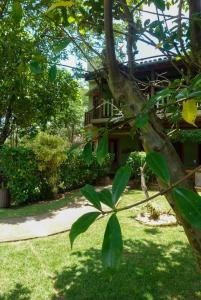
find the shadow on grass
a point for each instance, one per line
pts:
(152, 231)
(18, 293)
(148, 271)
(40, 210)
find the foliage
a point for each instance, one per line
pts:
(120, 181)
(102, 149)
(82, 224)
(186, 135)
(158, 165)
(76, 172)
(136, 160)
(50, 153)
(188, 204)
(20, 167)
(112, 247)
(30, 81)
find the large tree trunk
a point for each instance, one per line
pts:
(195, 30)
(153, 138)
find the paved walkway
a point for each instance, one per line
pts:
(17, 229)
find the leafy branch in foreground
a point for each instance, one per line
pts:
(187, 201)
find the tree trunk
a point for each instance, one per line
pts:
(5, 132)
(143, 182)
(195, 29)
(153, 138)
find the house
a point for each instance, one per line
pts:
(153, 75)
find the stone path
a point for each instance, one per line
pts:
(17, 229)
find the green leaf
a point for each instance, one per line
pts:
(120, 182)
(106, 197)
(112, 247)
(196, 82)
(102, 149)
(141, 120)
(71, 19)
(53, 73)
(189, 204)
(195, 94)
(17, 11)
(92, 196)
(74, 147)
(61, 45)
(157, 163)
(160, 4)
(183, 94)
(81, 225)
(60, 4)
(87, 153)
(35, 67)
(157, 98)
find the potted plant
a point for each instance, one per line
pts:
(4, 193)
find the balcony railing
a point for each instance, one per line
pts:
(105, 110)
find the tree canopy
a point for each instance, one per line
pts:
(34, 93)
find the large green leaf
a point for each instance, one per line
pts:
(195, 94)
(35, 67)
(106, 197)
(92, 196)
(189, 204)
(61, 45)
(102, 149)
(17, 11)
(120, 182)
(196, 82)
(112, 247)
(160, 4)
(157, 163)
(81, 225)
(53, 73)
(87, 153)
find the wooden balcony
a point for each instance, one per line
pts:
(100, 114)
(107, 110)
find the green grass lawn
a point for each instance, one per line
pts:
(39, 208)
(157, 264)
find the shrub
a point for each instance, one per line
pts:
(136, 160)
(50, 152)
(20, 168)
(75, 172)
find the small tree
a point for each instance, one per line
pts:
(50, 152)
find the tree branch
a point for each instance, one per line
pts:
(161, 193)
(109, 36)
(130, 36)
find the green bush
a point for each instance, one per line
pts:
(75, 172)
(36, 171)
(136, 160)
(20, 168)
(50, 152)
